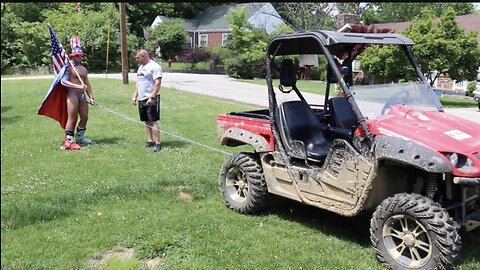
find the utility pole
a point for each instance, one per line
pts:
(123, 42)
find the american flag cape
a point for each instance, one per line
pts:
(54, 104)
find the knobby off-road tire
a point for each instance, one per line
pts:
(242, 184)
(410, 231)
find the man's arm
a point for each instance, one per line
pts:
(155, 91)
(156, 87)
(135, 94)
(66, 81)
(89, 89)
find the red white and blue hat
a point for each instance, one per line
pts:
(76, 47)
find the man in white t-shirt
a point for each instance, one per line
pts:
(147, 93)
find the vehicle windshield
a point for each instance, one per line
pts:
(376, 100)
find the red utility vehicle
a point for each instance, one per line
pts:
(383, 146)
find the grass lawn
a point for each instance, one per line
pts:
(185, 66)
(318, 87)
(76, 210)
(458, 102)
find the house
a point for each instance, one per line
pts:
(210, 28)
(468, 23)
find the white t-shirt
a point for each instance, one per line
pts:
(146, 75)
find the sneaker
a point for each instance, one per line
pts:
(80, 136)
(71, 145)
(149, 144)
(157, 147)
(83, 140)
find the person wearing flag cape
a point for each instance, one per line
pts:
(66, 99)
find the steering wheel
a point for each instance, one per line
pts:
(398, 98)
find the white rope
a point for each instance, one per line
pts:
(162, 131)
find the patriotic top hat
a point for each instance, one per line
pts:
(76, 47)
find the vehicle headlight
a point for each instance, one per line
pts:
(460, 161)
(454, 159)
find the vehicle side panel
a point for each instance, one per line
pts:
(230, 127)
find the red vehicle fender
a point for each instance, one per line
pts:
(236, 130)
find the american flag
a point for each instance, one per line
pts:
(59, 55)
(146, 36)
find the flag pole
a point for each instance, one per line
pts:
(76, 72)
(108, 43)
(80, 78)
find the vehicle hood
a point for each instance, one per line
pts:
(437, 130)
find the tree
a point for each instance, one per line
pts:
(442, 47)
(22, 38)
(245, 47)
(91, 25)
(446, 48)
(389, 12)
(142, 14)
(306, 16)
(352, 7)
(385, 64)
(24, 29)
(170, 36)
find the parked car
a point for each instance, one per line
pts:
(385, 147)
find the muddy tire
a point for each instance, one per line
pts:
(242, 184)
(410, 231)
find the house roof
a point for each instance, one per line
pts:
(189, 25)
(470, 22)
(213, 18)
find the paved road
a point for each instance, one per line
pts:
(221, 86)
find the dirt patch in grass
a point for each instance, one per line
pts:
(182, 195)
(151, 263)
(123, 254)
(186, 197)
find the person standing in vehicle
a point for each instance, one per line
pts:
(147, 94)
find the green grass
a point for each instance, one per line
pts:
(24, 75)
(318, 87)
(61, 209)
(315, 87)
(458, 102)
(186, 66)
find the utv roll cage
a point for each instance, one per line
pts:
(330, 43)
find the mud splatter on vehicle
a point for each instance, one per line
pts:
(381, 146)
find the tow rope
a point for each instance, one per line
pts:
(162, 131)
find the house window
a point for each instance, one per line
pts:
(189, 43)
(224, 39)
(203, 40)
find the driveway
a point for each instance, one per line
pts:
(221, 86)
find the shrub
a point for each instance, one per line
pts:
(470, 88)
(195, 56)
